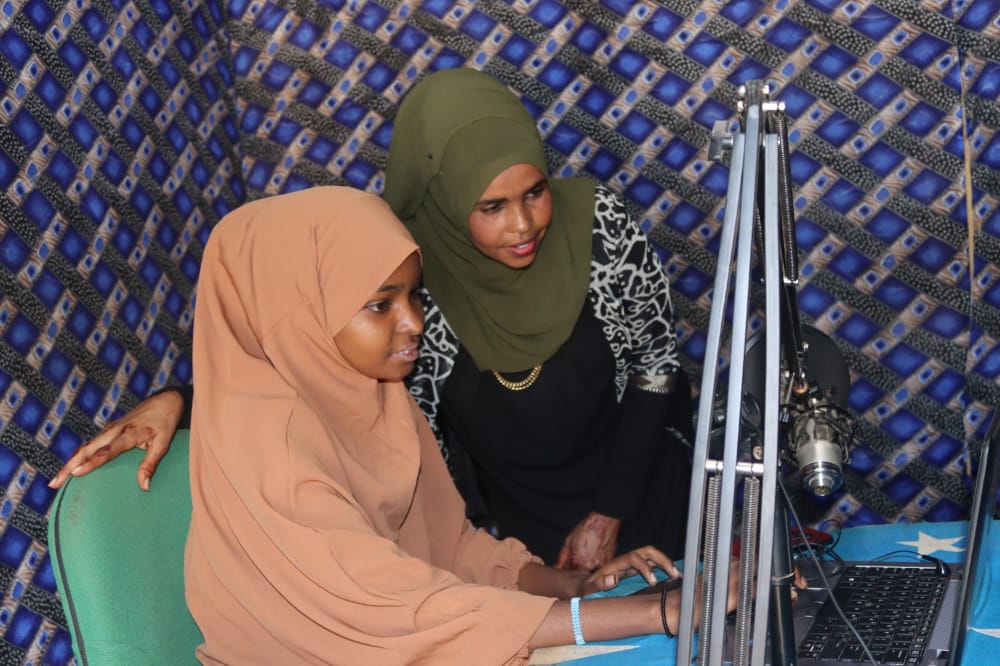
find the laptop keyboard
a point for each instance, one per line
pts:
(893, 609)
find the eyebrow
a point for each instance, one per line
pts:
(393, 287)
(484, 202)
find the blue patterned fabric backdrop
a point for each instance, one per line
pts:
(129, 127)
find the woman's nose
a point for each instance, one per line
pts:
(412, 320)
(522, 219)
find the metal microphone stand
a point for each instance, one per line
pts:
(758, 213)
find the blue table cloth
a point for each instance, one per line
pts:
(946, 541)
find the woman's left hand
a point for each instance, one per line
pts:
(591, 544)
(640, 561)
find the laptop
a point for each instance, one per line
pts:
(915, 613)
(982, 525)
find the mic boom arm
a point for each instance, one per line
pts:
(758, 210)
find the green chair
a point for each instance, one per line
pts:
(118, 556)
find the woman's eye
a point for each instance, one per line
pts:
(378, 306)
(491, 209)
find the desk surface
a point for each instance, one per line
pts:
(946, 541)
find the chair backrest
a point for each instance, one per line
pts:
(118, 556)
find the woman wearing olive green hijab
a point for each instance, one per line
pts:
(548, 367)
(549, 364)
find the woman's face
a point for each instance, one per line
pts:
(510, 219)
(380, 341)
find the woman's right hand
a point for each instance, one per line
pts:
(150, 426)
(673, 602)
(639, 561)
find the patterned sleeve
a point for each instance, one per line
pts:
(644, 292)
(438, 349)
(640, 318)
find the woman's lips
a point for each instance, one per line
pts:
(524, 249)
(409, 354)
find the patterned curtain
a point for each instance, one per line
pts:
(129, 127)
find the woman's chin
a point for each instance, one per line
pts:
(519, 262)
(396, 374)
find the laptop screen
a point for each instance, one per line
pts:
(975, 591)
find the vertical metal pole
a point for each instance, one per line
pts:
(772, 398)
(685, 634)
(734, 397)
(781, 623)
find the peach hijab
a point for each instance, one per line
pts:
(325, 527)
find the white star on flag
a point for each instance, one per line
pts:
(927, 544)
(557, 655)
(992, 633)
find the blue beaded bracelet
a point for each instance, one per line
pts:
(574, 616)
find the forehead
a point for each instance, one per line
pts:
(513, 179)
(405, 274)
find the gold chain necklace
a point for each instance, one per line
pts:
(521, 385)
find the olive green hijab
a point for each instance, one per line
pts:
(454, 133)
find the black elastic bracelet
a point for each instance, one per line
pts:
(663, 613)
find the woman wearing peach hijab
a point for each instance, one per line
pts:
(326, 528)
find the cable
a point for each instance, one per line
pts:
(837, 535)
(940, 567)
(884, 556)
(821, 551)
